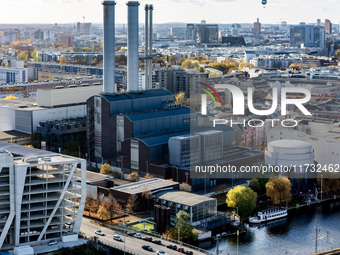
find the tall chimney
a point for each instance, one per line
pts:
(109, 47)
(132, 42)
(150, 45)
(146, 46)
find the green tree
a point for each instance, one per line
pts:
(106, 169)
(259, 185)
(278, 189)
(242, 197)
(185, 229)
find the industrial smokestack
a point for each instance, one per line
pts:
(132, 42)
(150, 45)
(109, 47)
(146, 46)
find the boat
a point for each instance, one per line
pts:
(268, 215)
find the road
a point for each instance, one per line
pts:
(132, 244)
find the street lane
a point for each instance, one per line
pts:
(132, 244)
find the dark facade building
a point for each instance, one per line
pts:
(132, 129)
(234, 41)
(308, 35)
(162, 218)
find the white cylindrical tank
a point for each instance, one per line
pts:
(289, 152)
(132, 42)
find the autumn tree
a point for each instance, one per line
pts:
(131, 204)
(201, 69)
(244, 64)
(278, 189)
(296, 65)
(103, 211)
(106, 169)
(114, 207)
(93, 206)
(62, 59)
(244, 198)
(179, 98)
(134, 177)
(148, 176)
(189, 64)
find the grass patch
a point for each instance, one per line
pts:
(140, 226)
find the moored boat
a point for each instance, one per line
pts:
(269, 214)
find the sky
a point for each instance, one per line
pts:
(188, 11)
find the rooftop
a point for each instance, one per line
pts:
(145, 185)
(182, 197)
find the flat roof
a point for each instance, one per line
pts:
(159, 114)
(145, 185)
(182, 197)
(12, 134)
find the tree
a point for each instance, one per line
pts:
(94, 205)
(179, 98)
(103, 212)
(106, 169)
(201, 69)
(131, 204)
(184, 227)
(134, 177)
(278, 189)
(296, 65)
(242, 197)
(189, 64)
(185, 187)
(114, 207)
(337, 54)
(244, 64)
(62, 59)
(148, 176)
(259, 185)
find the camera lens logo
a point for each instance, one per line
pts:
(204, 97)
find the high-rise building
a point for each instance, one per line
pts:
(307, 35)
(84, 28)
(206, 33)
(42, 196)
(257, 28)
(328, 27)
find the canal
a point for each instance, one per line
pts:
(296, 234)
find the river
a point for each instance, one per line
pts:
(294, 235)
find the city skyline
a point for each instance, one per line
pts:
(216, 11)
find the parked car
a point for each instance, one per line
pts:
(117, 238)
(100, 233)
(172, 247)
(131, 233)
(149, 239)
(161, 253)
(138, 236)
(180, 250)
(147, 247)
(157, 242)
(189, 253)
(53, 242)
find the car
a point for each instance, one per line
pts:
(147, 247)
(138, 236)
(189, 253)
(100, 233)
(161, 253)
(117, 238)
(180, 250)
(172, 247)
(53, 242)
(157, 242)
(131, 233)
(149, 239)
